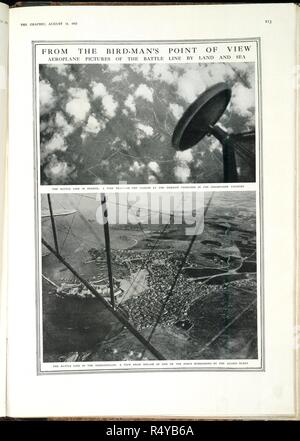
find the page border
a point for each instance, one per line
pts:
(259, 190)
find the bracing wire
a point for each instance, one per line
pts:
(176, 278)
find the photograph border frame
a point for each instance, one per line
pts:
(259, 189)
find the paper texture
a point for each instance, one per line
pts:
(210, 304)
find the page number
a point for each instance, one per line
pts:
(268, 21)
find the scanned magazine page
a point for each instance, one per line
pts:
(152, 211)
(3, 147)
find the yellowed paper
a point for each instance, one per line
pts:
(73, 36)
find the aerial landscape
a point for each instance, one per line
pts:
(193, 296)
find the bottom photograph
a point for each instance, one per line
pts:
(139, 277)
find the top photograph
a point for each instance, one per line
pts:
(114, 124)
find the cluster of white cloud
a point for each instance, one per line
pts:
(78, 106)
(59, 127)
(61, 69)
(247, 69)
(190, 84)
(130, 103)
(109, 104)
(160, 72)
(184, 156)
(182, 172)
(147, 130)
(144, 69)
(242, 100)
(92, 127)
(118, 78)
(154, 167)
(193, 82)
(98, 90)
(187, 82)
(176, 110)
(116, 67)
(217, 73)
(143, 131)
(137, 168)
(62, 124)
(58, 171)
(145, 92)
(154, 171)
(163, 72)
(56, 143)
(120, 70)
(46, 95)
(196, 79)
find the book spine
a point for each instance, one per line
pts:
(297, 123)
(3, 154)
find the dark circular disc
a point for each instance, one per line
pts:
(204, 112)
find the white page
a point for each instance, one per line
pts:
(265, 391)
(3, 146)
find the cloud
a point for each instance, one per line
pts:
(98, 89)
(94, 126)
(144, 69)
(195, 81)
(182, 172)
(61, 69)
(47, 98)
(242, 100)
(137, 168)
(162, 72)
(218, 72)
(246, 71)
(79, 105)
(145, 92)
(147, 130)
(115, 67)
(143, 131)
(110, 105)
(108, 102)
(62, 123)
(56, 143)
(152, 179)
(117, 78)
(154, 167)
(130, 103)
(176, 110)
(185, 156)
(191, 84)
(58, 171)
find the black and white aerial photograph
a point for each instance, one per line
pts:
(148, 123)
(149, 276)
